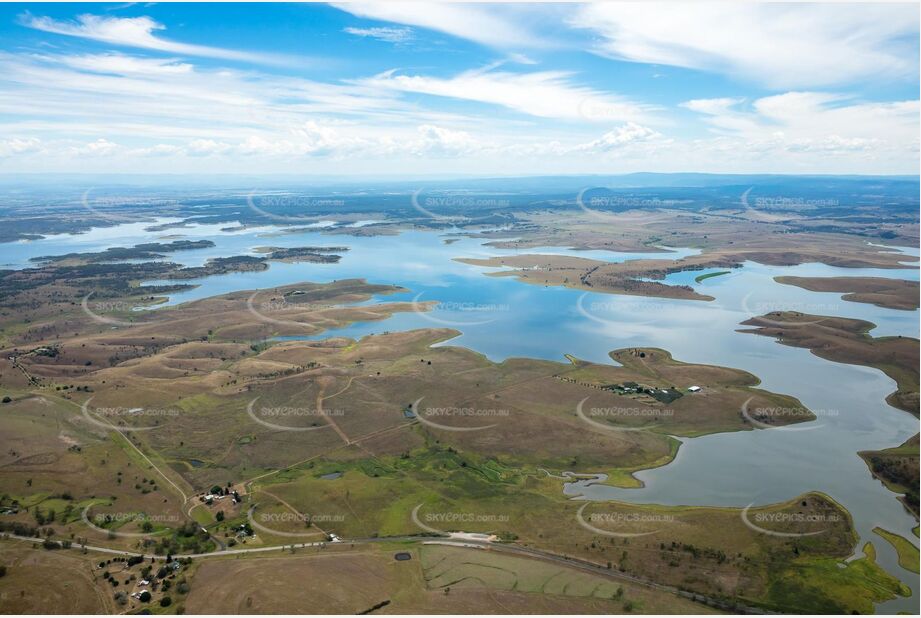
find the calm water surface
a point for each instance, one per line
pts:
(502, 317)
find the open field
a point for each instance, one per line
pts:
(456, 571)
(49, 582)
(594, 275)
(312, 582)
(193, 430)
(888, 293)
(386, 436)
(754, 234)
(42, 579)
(711, 551)
(725, 243)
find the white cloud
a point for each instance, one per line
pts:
(712, 106)
(126, 112)
(386, 33)
(629, 133)
(544, 94)
(814, 122)
(778, 44)
(120, 64)
(157, 150)
(19, 146)
(490, 24)
(445, 142)
(206, 147)
(99, 148)
(521, 58)
(139, 32)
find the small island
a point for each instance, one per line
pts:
(880, 291)
(317, 255)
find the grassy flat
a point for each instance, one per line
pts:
(706, 276)
(908, 553)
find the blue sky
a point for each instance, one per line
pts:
(408, 89)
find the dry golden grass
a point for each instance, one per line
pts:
(845, 340)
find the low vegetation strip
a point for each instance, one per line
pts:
(907, 552)
(700, 278)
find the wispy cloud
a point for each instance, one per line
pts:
(814, 122)
(544, 94)
(149, 102)
(387, 34)
(490, 24)
(140, 32)
(781, 45)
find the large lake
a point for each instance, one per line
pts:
(502, 317)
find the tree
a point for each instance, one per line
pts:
(166, 602)
(145, 597)
(219, 516)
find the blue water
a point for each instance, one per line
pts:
(502, 317)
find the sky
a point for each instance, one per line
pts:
(407, 89)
